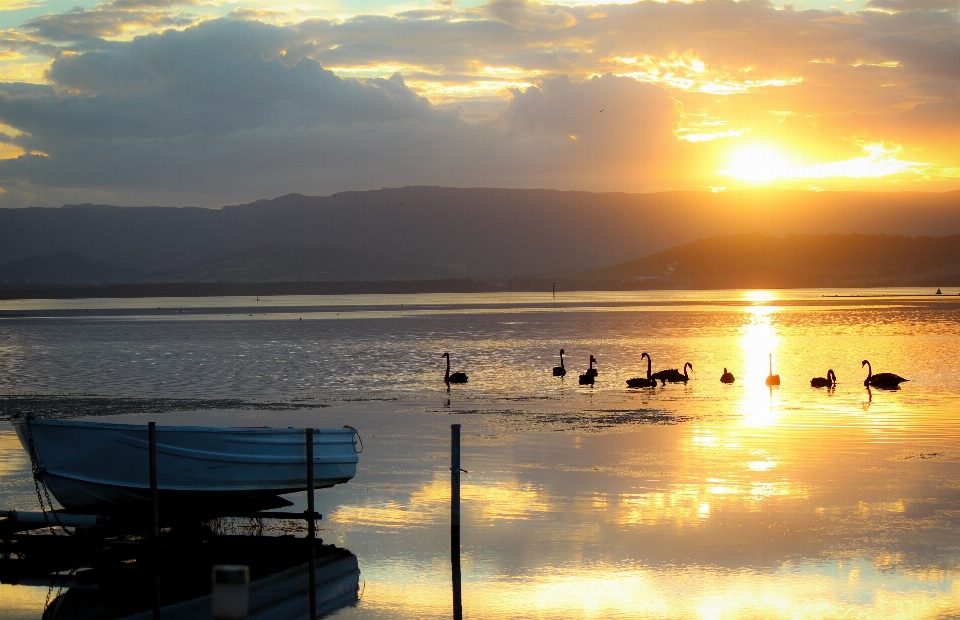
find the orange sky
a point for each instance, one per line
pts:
(183, 102)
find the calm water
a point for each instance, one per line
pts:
(698, 500)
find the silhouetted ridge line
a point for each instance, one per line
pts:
(249, 289)
(794, 261)
(481, 233)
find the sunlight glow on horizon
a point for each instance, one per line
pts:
(760, 163)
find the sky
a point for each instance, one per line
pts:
(210, 102)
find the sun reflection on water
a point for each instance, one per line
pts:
(430, 503)
(760, 404)
(852, 589)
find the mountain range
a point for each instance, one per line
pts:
(794, 261)
(477, 233)
(580, 239)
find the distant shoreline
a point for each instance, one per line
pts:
(380, 287)
(245, 289)
(889, 295)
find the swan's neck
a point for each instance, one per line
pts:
(561, 360)
(771, 365)
(649, 366)
(447, 375)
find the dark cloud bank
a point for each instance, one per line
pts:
(234, 109)
(219, 110)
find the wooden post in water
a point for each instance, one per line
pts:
(154, 494)
(455, 519)
(154, 517)
(311, 528)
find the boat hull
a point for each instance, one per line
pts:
(104, 468)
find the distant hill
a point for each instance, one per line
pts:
(793, 261)
(476, 233)
(749, 260)
(277, 263)
(64, 268)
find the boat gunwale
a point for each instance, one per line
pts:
(163, 488)
(195, 429)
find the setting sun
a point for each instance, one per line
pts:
(763, 163)
(758, 163)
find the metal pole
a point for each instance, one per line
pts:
(311, 528)
(455, 520)
(154, 495)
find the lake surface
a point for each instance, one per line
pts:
(701, 500)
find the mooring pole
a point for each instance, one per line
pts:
(154, 495)
(311, 528)
(154, 517)
(455, 519)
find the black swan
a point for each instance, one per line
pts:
(727, 377)
(884, 380)
(559, 371)
(592, 371)
(641, 382)
(588, 377)
(772, 379)
(673, 375)
(829, 381)
(457, 377)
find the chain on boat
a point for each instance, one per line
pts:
(38, 483)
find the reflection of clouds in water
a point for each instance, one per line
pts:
(17, 597)
(854, 589)
(687, 504)
(760, 406)
(486, 501)
(13, 460)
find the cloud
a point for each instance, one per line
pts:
(110, 19)
(526, 15)
(214, 108)
(601, 115)
(914, 5)
(508, 93)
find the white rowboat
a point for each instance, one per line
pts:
(97, 468)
